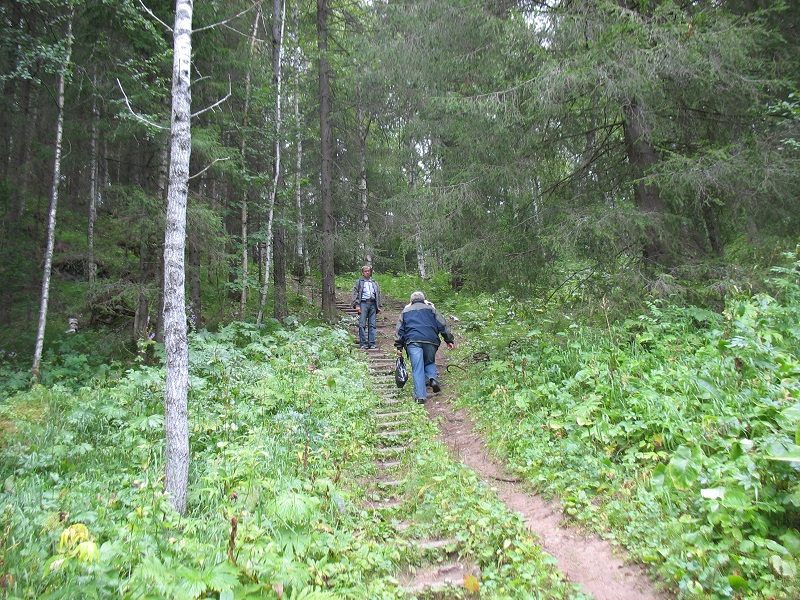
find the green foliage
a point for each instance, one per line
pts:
(675, 433)
(281, 435)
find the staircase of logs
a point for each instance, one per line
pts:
(395, 440)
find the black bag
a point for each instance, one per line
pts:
(400, 372)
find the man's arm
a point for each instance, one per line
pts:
(444, 329)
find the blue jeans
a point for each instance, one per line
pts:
(366, 323)
(423, 366)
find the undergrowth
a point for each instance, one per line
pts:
(282, 439)
(675, 432)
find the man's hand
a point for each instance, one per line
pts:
(399, 352)
(450, 346)
(358, 309)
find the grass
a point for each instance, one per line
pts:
(674, 433)
(281, 435)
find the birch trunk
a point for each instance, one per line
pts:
(303, 265)
(244, 214)
(416, 212)
(51, 218)
(94, 172)
(277, 61)
(280, 306)
(326, 166)
(176, 424)
(363, 132)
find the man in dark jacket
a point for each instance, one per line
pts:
(418, 330)
(366, 299)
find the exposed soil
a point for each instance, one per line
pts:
(586, 560)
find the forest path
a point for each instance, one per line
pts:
(584, 559)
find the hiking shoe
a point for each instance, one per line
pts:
(420, 400)
(435, 386)
(372, 346)
(364, 347)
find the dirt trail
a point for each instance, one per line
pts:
(584, 559)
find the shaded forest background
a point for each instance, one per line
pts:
(575, 152)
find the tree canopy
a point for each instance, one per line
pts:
(516, 144)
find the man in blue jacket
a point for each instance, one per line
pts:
(366, 299)
(418, 330)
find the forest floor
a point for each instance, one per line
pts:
(597, 566)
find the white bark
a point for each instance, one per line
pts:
(94, 171)
(420, 253)
(326, 166)
(302, 255)
(363, 132)
(244, 213)
(278, 22)
(176, 424)
(416, 212)
(51, 218)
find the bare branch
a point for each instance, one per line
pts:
(217, 103)
(134, 113)
(245, 35)
(152, 14)
(246, 10)
(213, 162)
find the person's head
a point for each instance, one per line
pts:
(417, 297)
(366, 271)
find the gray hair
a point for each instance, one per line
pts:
(417, 297)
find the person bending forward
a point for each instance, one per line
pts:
(418, 330)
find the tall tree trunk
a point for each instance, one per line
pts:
(326, 166)
(303, 266)
(51, 219)
(416, 211)
(280, 306)
(277, 62)
(176, 423)
(94, 174)
(280, 302)
(244, 214)
(642, 156)
(712, 226)
(363, 131)
(420, 252)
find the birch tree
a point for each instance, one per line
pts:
(176, 343)
(277, 75)
(245, 122)
(326, 164)
(303, 266)
(363, 123)
(51, 216)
